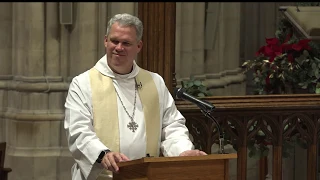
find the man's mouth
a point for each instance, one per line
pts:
(118, 54)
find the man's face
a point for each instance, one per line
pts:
(122, 48)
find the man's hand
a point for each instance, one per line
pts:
(111, 159)
(195, 152)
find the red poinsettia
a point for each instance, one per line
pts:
(285, 62)
(271, 50)
(274, 48)
(302, 45)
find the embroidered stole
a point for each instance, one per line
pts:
(105, 111)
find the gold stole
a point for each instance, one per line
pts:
(105, 110)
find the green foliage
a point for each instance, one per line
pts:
(285, 76)
(195, 87)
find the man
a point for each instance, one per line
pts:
(117, 111)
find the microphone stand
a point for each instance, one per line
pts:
(207, 113)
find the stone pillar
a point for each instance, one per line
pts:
(207, 46)
(189, 39)
(28, 55)
(84, 38)
(198, 38)
(223, 75)
(186, 40)
(36, 95)
(6, 63)
(122, 7)
(103, 17)
(52, 37)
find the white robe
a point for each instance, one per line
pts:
(85, 146)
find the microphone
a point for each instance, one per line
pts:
(206, 109)
(181, 93)
(139, 85)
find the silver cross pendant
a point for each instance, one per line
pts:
(132, 126)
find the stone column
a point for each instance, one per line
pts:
(122, 7)
(36, 94)
(6, 63)
(223, 75)
(207, 46)
(28, 58)
(84, 38)
(186, 40)
(103, 17)
(59, 160)
(189, 39)
(198, 38)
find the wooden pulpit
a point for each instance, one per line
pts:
(208, 167)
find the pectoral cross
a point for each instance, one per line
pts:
(132, 126)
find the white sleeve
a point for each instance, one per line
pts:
(83, 143)
(175, 135)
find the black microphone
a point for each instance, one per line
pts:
(181, 93)
(206, 109)
(138, 85)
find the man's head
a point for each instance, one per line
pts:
(123, 42)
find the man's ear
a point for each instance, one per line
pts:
(105, 40)
(140, 44)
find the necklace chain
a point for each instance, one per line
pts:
(131, 125)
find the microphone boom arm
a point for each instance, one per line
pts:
(221, 134)
(206, 109)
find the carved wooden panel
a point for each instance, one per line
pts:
(280, 117)
(158, 51)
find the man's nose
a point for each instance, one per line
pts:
(119, 46)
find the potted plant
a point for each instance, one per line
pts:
(195, 87)
(286, 63)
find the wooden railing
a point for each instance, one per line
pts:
(299, 113)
